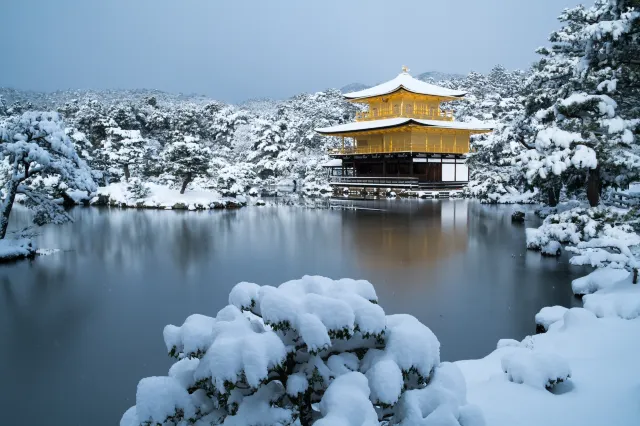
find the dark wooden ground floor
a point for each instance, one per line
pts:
(424, 168)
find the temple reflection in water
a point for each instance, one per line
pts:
(382, 241)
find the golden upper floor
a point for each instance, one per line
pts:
(405, 96)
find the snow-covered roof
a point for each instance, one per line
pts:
(336, 162)
(408, 83)
(360, 126)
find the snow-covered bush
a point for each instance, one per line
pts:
(310, 351)
(137, 188)
(599, 237)
(235, 179)
(538, 369)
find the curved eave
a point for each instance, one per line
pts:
(409, 122)
(351, 97)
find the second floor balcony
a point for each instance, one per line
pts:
(405, 111)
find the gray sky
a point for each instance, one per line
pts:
(238, 49)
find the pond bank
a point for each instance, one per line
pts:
(596, 345)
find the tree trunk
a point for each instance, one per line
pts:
(187, 179)
(593, 187)
(6, 206)
(554, 194)
(127, 175)
(306, 412)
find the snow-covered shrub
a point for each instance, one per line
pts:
(137, 188)
(310, 351)
(537, 369)
(576, 225)
(551, 249)
(599, 237)
(235, 179)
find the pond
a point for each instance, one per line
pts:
(79, 328)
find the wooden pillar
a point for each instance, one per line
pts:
(343, 144)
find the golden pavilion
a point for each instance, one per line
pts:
(405, 140)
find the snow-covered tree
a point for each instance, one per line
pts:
(582, 113)
(3, 106)
(309, 352)
(187, 159)
(35, 145)
(124, 148)
(236, 178)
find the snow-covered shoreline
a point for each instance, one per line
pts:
(163, 197)
(16, 248)
(596, 346)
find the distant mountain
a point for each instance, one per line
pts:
(439, 76)
(354, 87)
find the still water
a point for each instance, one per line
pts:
(80, 327)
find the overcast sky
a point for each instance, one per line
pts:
(238, 49)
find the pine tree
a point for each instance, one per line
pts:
(581, 113)
(187, 159)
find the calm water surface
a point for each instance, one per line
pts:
(79, 328)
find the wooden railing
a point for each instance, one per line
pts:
(425, 114)
(625, 199)
(396, 182)
(410, 147)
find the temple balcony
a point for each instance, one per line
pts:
(423, 114)
(461, 147)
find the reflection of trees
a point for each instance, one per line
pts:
(40, 308)
(131, 239)
(424, 233)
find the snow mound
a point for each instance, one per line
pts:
(16, 248)
(599, 279)
(536, 369)
(620, 299)
(549, 315)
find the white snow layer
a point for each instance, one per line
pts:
(15, 248)
(399, 121)
(405, 81)
(604, 383)
(540, 370)
(549, 315)
(599, 279)
(163, 197)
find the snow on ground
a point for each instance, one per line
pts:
(619, 298)
(162, 197)
(599, 279)
(604, 388)
(16, 248)
(549, 315)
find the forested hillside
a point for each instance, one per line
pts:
(143, 134)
